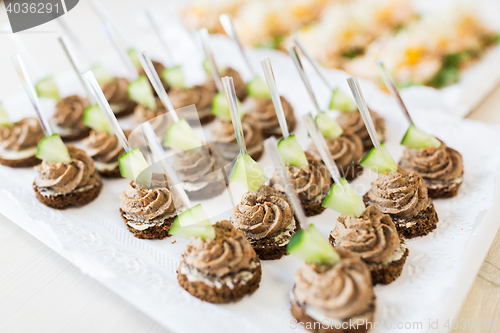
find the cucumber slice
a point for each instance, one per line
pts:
(291, 152)
(94, 118)
(141, 92)
(379, 160)
(4, 117)
(193, 222)
(220, 107)
(52, 149)
(342, 102)
(181, 136)
(418, 139)
(328, 127)
(101, 74)
(47, 88)
(133, 166)
(248, 173)
(174, 77)
(312, 247)
(343, 198)
(208, 70)
(132, 54)
(257, 88)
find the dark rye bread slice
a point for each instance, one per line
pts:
(270, 250)
(115, 173)
(62, 201)
(352, 171)
(312, 325)
(207, 192)
(383, 273)
(422, 224)
(312, 208)
(224, 294)
(443, 190)
(275, 131)
(156, 232)
(83, 133)
(127, 110)
(21, 163)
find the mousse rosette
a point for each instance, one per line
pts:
(334, 294)
(149, 212)
(346, 151)
(372, 236)
(224, 269)
(68, 118)
(262, 113)
(403, 196)
(441, 168)
(353, 122)
(311, 183)
(267, 220)
(18, 143)
(116, 93)
(200, 95)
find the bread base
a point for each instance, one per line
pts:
(156, 232)
(76, 136)
(115, 173)
(224, 294)
(387, 273)
(21, 163)
(64, 200)
(352, 171)
(312, 325)
(312, 208)
(208, 191)
(128, 110)
(269, 132)
(266, 251)
(444, 190)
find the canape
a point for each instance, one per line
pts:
(68, 118)
(18, 142)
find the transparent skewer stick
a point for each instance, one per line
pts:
(93, 85)
(157, 30)
(205, 41)
(273, 89)
(282, 172)
(320, 143)
(227, 24)
(105, 17)
(110, 32)
(363, 109)
(317, 67)
(32, 62)
(74, 40)
(292, 51)
(18, 63)
(76, 65)
(391, 85)
(160, 155)
(153, 77)
(228, 85)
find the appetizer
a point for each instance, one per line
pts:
(117, 96)
(68, 118)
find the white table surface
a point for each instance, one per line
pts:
(41, 291)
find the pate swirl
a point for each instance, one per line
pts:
(69, 112)
(345, 150)
(24, 134)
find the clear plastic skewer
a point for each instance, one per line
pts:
(105, 17)
(120, 50)
(317, 67)
(93, 85)
(292, 51)
(363, 109)
(282, 172)
(18, 63)
(227, 24)
(391, 85)
(205, 40)
(157, 30)
(74, 40)
(273, 89)
(148, 66)
(228, 85)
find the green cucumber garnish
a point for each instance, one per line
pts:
(141, 92)
(418, 139)
(101, 74)
(343, 198)
(193, 222)
(181, 136)
(328, 127)
(208, 69)
(257, 88)
(379, 160)
(132, 54)
(248, 173)
(47, 88)
(174, 77)
(342, 102)
(312, 247)
(4, 117)
(52, 149)
(220, 107)
(94, 118)
(291, 152)
(134, 166)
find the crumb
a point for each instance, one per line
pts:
(174, 242)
